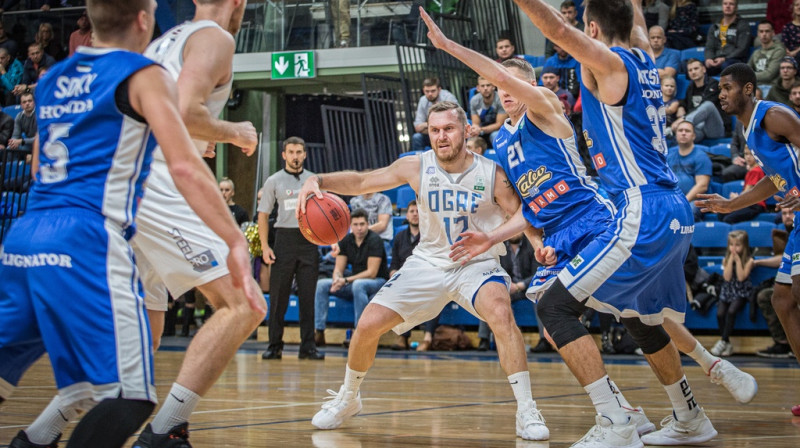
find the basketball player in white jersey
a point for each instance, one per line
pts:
(173, 247)
(457, 190)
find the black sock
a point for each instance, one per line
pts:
(110, 423)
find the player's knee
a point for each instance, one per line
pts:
(782, 298)
(558, 311)
(650, 338)
(498, 315)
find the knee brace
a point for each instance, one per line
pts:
(650, 338)
(559, 312)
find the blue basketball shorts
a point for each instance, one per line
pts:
(635, 267)
(70, 287)
(790, 263)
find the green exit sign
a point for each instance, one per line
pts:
(293, 65)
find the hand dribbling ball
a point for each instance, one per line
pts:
(326, 220)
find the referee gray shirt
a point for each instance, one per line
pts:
(282, 188)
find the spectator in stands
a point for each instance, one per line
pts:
(363, 250)
(37, 58)
(779, 13)
(766, 60)
(779, 92)
(682, 29)
(672, 105)
(82, 36)
(668, 60)
(47, 39)
(550, 79)
(656, 13)
(691, 166)
(432, 94)
(735, 289)
(505, 49)
(6, 128)
(794, 96)
(477, 145)
(754, 174)
(25, 127)
(10, 76)
(379, 210)
(42, 5)
(520, 263)
(404, 243)
(8, 43)
(568, 69)
(702, 104)
(228, 190)
(790, 36)
(780, 348)
(486, 111)
(291, 256)
(570, 13)
(728, 41)
(340, 12)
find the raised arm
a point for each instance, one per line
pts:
(603, 72)
(542, 103)
(208, 58)
(404, 170)
(639, 35)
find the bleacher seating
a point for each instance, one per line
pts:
(681, 84)
(735, 186)
(767, 217)
(405, 195)
(13, 110)
(535, 61)
(723, 149)
(760, 232)
(711, 235)
(718, 141)
(694, 52)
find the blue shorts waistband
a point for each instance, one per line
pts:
(647, 189)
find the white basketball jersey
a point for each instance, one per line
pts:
(453, 203)
(167, 50)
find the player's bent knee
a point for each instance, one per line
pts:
(559, 311)
(650, 338)
(783, 298)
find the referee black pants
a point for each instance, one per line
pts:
(296, 257)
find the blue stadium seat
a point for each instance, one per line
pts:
(398, 229)
(391, 194)
(397, 222)
(13, 110)
(452, 314)
(713, 187)
(735, 186)
(405, 195)
(410, 153)
(472, 92)
(703, 148)
(723, 149)
(711, 234)
(681, 84)
(695, 52)
(709, 260)
(761, 273)
(718, 141)
(535, 61)
(767, 217)
(710, 216)
(760, 232)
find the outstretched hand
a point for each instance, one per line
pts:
(546, 256)
(789, 202)
(310, 187)
(469, 246)
(436, 35)
(713, 203)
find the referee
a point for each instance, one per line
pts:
(293, 255)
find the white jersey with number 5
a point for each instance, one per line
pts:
(452, 203)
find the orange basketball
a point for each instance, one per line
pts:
(326, 221)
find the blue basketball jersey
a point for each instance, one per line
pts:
(778, 159)
(547, 174)
(99, 160)
(626, 141)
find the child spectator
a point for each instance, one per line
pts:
(673, 105)
(754, 174)
(477, 145)
(735, 290)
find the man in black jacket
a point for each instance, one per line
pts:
(728, 41)
(702, 105)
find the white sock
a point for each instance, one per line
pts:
(682, 398)
(604, 398)
(622, 401)
(51, 422)
(177, 408)
(703, 357)
(521, 385)
(353, 379)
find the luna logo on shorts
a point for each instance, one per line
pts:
(202, 261)
(37, 260)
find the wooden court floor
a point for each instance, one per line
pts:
(438, 400)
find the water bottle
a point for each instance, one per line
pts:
(414, 345)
